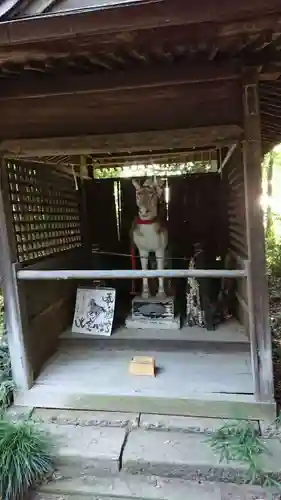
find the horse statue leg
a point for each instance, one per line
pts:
(160, 257)
(144, 265)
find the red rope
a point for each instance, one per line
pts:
(140, 221)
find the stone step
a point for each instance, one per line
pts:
(85, 451)
(189, 456)
(147, 488)
(152, 488)
(128, 420)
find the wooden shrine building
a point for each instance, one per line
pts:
(86, 85)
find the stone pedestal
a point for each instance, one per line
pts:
(153, 312)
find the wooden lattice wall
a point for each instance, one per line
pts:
(43, 219)
(45, 210)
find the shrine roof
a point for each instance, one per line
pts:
(47, 41)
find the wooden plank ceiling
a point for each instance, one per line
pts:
(151, 66)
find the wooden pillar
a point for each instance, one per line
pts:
(257, 281)
(85, 225)
(13, 299)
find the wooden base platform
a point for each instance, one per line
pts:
(198, 373)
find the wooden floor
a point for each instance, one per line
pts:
(204, 373)
(179, 374)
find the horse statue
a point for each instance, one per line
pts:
(149, 233)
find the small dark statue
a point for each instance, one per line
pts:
(209, 300)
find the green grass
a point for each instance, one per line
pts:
(242, 443)
(25, 453)
(6, 381)
(25, 457)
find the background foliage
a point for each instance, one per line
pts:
(271, 201)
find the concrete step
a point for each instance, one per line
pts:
(126, 420)
(110, 455)
(85, 451)
(189, 456)
(126, 487)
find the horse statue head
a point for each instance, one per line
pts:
(148, 197)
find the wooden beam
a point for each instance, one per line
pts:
(144, 15)
(105, 161)
(257, 280)
(64, 274)
(160, 76)
(150, 158)
(270, 73)
(256, 25)
(228, 155)
(222, 406)
(166, 154)
(143, 141)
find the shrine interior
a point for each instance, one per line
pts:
(203, 205)
(89, 90)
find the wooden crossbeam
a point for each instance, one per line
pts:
(160, 158)
(162, 75)
(143, 141)
(145, 15)
(158, 76)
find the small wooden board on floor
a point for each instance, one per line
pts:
(142, 365)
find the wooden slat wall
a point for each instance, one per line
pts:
(101, 213)
(242, 295)
(49, 308)
(233, 176)
(196, 214)
(233, 181)
(47, 229)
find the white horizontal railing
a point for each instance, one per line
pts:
(27, 274)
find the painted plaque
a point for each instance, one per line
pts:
(94, 311)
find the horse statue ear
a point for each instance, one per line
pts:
(136, 184)
(159, 186)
